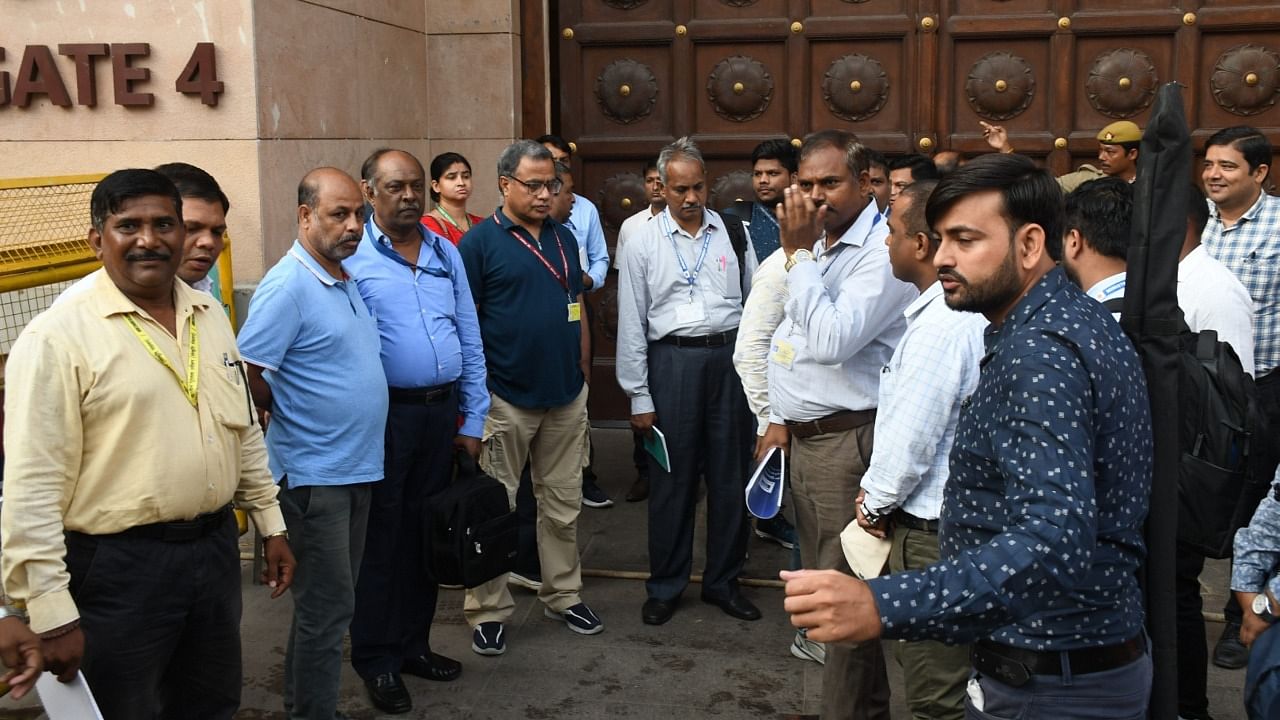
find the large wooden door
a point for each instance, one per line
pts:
(905, 75)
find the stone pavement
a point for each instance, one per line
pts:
(701, 664)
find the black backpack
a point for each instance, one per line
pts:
(738, 238)
(471, 531)
(1219, 479)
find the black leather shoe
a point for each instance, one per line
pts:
(657, 612)
(432, 667)
(388, 693)
(736, 605)
(1229, 652)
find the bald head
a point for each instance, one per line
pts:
(330, 216)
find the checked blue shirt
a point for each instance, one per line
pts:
(1255, 564)
(1041, 527)
(1251, 250)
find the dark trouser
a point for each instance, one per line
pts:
(703, 413)
(1119, 694)
(327, 527)
(1269, 403)
(1193, 650)
(395, 594)
(161, 622)
(527, 512)
(639, 456)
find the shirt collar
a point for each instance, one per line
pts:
(709, 219)
(917, 306)
(375, 233)
(508, 224)
(1250, 214)
(109, 300)
(1051, 284)
(299, 253)
(861, 228)
(1106, 288)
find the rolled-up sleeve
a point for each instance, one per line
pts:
(1257, 546)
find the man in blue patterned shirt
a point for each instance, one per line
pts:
(1041, 525)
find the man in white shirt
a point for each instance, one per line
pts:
(679, 303)
(934, 368)
(1096, 244)
(842, 322)
(631, 227)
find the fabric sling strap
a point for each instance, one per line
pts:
(191, 385)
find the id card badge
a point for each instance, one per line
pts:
(575, 312)
(690, 313)
(782, 353)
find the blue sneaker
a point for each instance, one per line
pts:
(489, 639)
(579, 618)
(777, 529)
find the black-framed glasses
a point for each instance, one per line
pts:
(535, 186)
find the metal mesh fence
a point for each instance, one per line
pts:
(43, 246)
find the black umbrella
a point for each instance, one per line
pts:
(1152, 320)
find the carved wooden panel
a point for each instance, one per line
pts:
(1000, 85)
(1119, 81)
(628, 93)
(622, 10)
(730, 187)
(621, 196)
(740, 88)
(1241, 77)
(739, 9)
(626, 90)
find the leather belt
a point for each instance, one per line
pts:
(835, 422)
(902, 518)
(420, 396)
(1015, 666)
(719, 339)
(181, 531)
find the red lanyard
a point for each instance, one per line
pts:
(562, 279)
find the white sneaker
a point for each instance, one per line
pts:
(806, 649)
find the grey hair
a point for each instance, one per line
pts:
(510, 158)
(685, 149)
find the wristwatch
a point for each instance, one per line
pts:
(11, 611)
(872, 516)
(798, 256)
(1262, 607)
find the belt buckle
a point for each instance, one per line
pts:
(1009, 672)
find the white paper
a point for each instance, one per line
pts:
(67, 701)
(865, 553)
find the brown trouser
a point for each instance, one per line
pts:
(826, 473)
(555, 442)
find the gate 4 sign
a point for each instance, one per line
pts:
(39, 74)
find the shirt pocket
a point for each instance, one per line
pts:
(725, 275)
(225, 388)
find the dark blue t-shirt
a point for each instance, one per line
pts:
(531, 349)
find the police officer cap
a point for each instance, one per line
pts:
(1121, 131)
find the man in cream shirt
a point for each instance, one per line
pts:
(130, 431)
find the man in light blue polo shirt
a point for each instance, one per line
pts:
(314, 368)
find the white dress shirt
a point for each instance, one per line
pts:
(842, 322)
(932, 371)
(1212, 298)
(631, 227)
(1109, 288)
(761, 315)
(661, 293)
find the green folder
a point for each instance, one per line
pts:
(656, 445)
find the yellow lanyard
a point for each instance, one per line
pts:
(191, 385)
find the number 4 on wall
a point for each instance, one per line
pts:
(200, 76)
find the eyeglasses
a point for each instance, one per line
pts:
(535, 186)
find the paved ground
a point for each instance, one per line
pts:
(701, 664)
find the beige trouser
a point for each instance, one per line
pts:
(826, 472)
(554, 442)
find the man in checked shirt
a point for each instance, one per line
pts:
(1041, 524)
(1243, 233)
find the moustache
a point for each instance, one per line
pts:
(351, 238)
(952, 275)
(147, 255)
(411, 207)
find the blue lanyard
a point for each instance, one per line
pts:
(372, 231)
(690, 277)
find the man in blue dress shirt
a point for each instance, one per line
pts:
(1041, 525)
(416, 286)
